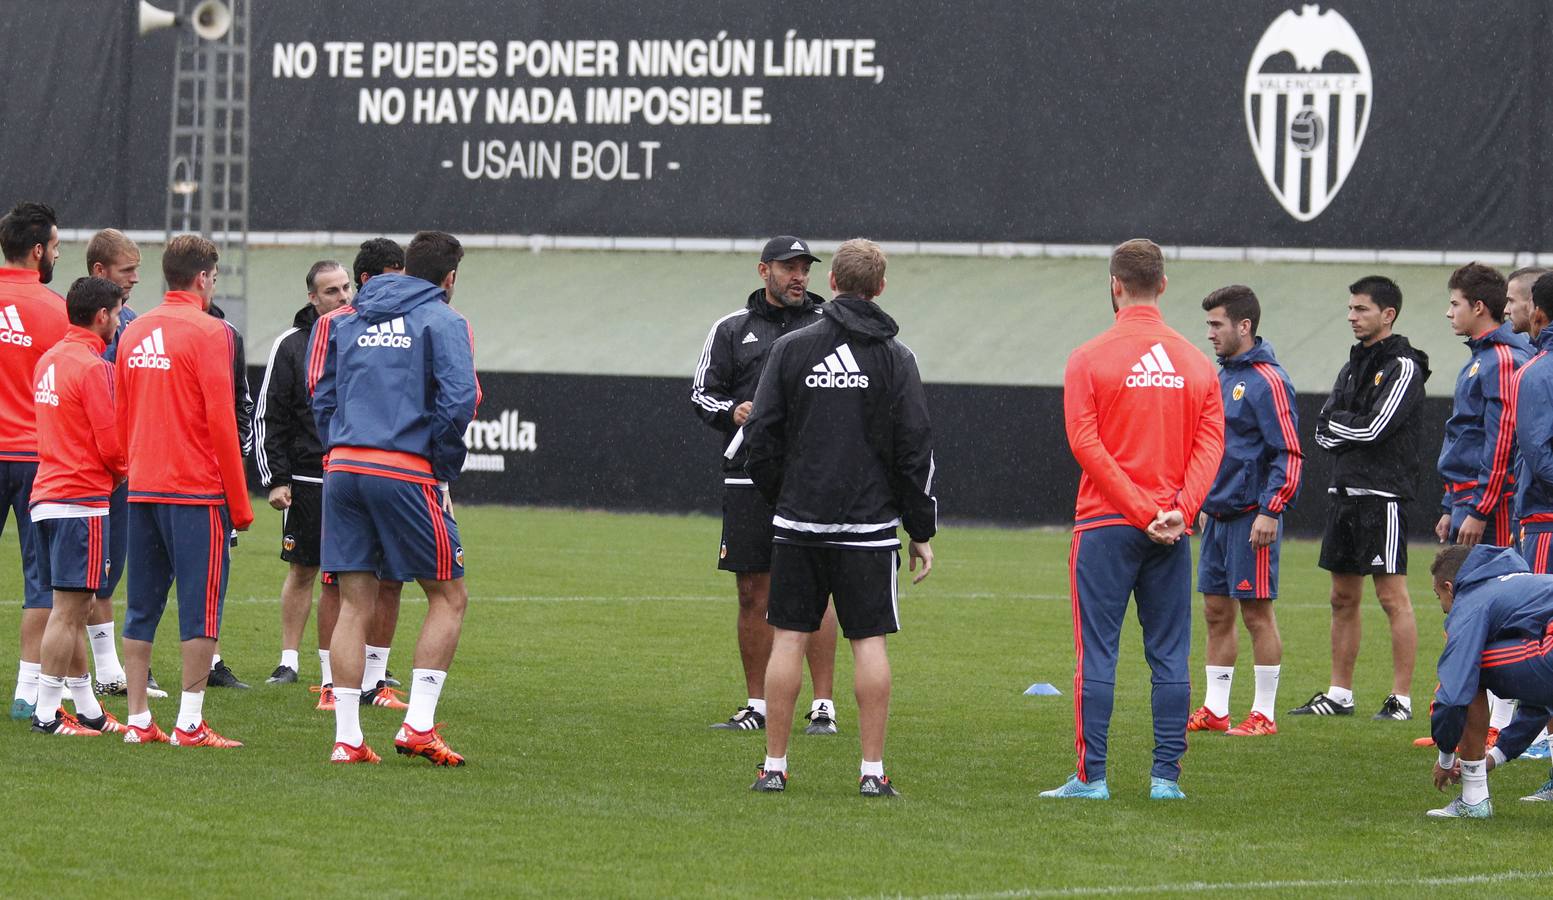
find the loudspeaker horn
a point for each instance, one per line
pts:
(152, 18)
(212, 20)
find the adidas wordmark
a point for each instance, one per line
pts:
(150, 353)
(1155, 370)
(385, 334)
(839, 370)
(11, 330)
(45, 392)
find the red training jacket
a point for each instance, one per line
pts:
(1145, 421)
(32, 319)
(80, 456)
(174, 378)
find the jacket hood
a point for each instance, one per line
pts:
(1485, 563)
(305, 317)
(1261, 352)
(758, 305)
(861, 318)
(390, 295)
(1396, 345)
(1504, 334)
(1544, 340)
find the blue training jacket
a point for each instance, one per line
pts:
(1479, 448)
(1497, 599)
(1262, 461)
(1534, 435)
(395, 371)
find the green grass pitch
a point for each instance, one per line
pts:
(597, 649)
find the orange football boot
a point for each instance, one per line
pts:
(345, 753)
(383, 696)
(429, 744)
(1203, 719)
(1255, 725)
(325, 694)
(147, 735)
(202, 736)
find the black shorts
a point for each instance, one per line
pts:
(301, 524)
(747, 531)
(1365, 536)
(862, 583)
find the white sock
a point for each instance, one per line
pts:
(425, 688)
(1541, 736)
(81, 692)
(347, 716)
(1405, 700)
(215, 661)
(288, 658)
(1341, 695)
(375, 667)
(1500, 711)
(758, 705)
(1216, 696)
(875, 769)
(1266, 691)
(105, 654)
(775, 764)
(50, 689)
(1474, 781)
(823, 704)
(191, 710)
(27, 681)
(323, 663)
(141, 720)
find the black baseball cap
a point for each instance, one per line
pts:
(784, 247)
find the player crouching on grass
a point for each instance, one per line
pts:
(80, 462)
(1498, 637)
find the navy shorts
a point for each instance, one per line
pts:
(15, 494)
(1227, 564)
(1498, 530)
(118, 540)
(73, 553)
(394, 528)
(1536, 544)
(189, 545)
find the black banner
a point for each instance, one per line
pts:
(634, 443)
(1211, 122)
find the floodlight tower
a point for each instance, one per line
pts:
(207, 142)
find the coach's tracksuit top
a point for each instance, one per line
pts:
(1262, 460)
(394, 383)
(1496, 600)
(32, 319)
(80, 455)
(173, 381)
(839, 440)
(1478, 453)
(285, 435)
(731, 361)
(1534, 435)
(1370, 423)
(1144, 420)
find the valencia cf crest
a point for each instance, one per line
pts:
(1474, 370)
(1308, 97)
(1378, 377)
(288, 543)
(722, 552)
(458, 554)
(1238, 391)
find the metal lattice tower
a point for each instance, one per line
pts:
(207, 179)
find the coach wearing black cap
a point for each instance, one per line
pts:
(725, 379)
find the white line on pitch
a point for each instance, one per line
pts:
(1200, 887)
